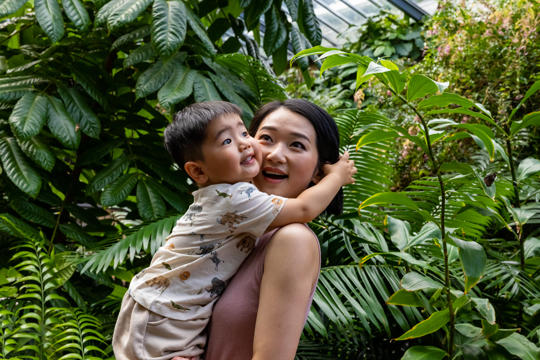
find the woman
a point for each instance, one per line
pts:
(263, 310)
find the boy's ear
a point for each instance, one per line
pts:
(317, 175)
(196, 172)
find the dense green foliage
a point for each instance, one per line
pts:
(89, 193)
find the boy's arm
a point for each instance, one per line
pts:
(312, 201)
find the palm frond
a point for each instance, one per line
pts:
(147, 237)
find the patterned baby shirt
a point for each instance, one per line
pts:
(204, 250)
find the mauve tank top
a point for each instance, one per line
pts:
(232, 326)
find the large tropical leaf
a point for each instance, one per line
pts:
(308, 22)
(196, 25)
(275, 33)
(147, 237)
(80, 112)
(38, 152)
(29, 115)
(109, 174)
(178, 87)
(117, 191)
(142, 53)
(126, 12)
(153, 78)
(62, 124)
(50, 19)
(77, 13)
(168, 26)
(17, 169)
(204, 89)
(8, 7)
(149, 201)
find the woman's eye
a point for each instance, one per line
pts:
(265, 138)
(226, 142)
(298, 145)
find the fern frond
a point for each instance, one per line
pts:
(148, 237)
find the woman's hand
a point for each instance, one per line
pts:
(344, 168)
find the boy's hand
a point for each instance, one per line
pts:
(344, 168)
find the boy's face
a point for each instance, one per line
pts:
(230, 154)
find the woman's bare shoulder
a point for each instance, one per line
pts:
(297, 240)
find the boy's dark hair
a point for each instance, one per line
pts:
(183, 137)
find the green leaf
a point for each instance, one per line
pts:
(255, 10)
(107, 9)
(32, 212)
(404, 298)
(527, 167)
(468, 330)
(142, 53)
(127, 12)
(109, 174)
(38, 152)
(375, 136)
(89, 85)
(462, 110)
(531, 119)
(62, 125)
(168, 26)
(178, 87)
(387, 198)
(28, 116)
(117, 191)
(520, 346)
(279, 58)
(445, 99)
(292, 6)
(315, 50)
(275, 33)
(436, 321)
(228, 91)
(414, 281)
(482, 136)
(402, 255)
(204, 89)
(80, 112)
(197, 27)
(419, 352)
(473, 259)
(137, 34)
(308, 22)
(153, 78)
(18, 228)
(17, 169)
(149, 202)
(420, 86)
(50, 19)
(8, 7)
(298, 45)
(485, 309)
(77, 13)
(533, 89)
(399, 232)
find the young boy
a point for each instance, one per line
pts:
(168, 304)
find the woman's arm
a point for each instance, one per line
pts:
(291, 267)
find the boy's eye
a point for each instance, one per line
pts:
(245, 134)
(226, 142)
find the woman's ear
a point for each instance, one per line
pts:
(196, 172)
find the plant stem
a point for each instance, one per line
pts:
(516, 203)
(436, 170)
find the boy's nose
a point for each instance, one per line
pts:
(244, 145)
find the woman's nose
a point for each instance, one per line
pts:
(276, 154)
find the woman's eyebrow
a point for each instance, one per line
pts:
(293, 133)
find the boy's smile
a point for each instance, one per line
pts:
(230, 154)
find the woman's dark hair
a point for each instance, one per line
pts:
(325, 129)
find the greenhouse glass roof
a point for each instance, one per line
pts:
(336, 16)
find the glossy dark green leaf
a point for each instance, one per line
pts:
(229, 92)
(204, 89)
(527, 167)
(80, 112)
(375, 136)
(292, 6)
(17, 227)
(520, 346)
(62, 124)
(413, 281)
(178, 87)
(168, 26)
(118, 191)
(485, 309)
(127, 12)
(387, 198)
(275, 33)
(149, 201)
(8, 7)
(142, 53)
(255, 10)
(77, 13)
(132, 36)
(153, 78)
(109, 174)
(29, 115)
(531, 119)
(50, 19)
(107, 9)
(399, 232)
(32, 212)
(17, 168)
(309, 24)
(197, 27)
(532, 90)
(38, 152)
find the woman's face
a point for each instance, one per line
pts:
(289, 153)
